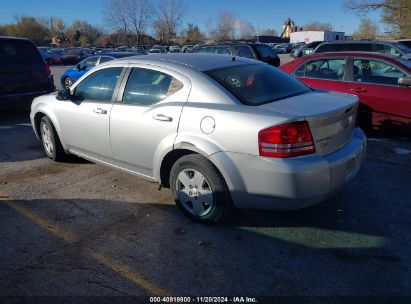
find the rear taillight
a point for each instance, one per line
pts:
(286, 140)
(47, 68)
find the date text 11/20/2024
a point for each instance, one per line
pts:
(203, 300)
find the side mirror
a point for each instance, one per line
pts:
(64, 94)
(404, 81)
(78, 66)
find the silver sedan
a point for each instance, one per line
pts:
(220, 131)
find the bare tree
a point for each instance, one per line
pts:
(318, 26)
(245, 29)
(395, 13)
(269, 32)
(169, 14)
(140, 13)
(117, 17)
(224, 29)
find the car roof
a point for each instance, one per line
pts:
(13, 38)
(201, 62)
(352, 53)
(357, 41)
(117, 54)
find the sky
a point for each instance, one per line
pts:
(262, 14)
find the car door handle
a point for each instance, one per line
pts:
(359, 90)
(100, 111)
(162, 117)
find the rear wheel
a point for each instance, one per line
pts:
(68, 82)
(51, 142)
(199, 189)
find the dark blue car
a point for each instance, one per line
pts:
(71, 75)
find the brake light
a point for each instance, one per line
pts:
(47, 68)
(286, 140)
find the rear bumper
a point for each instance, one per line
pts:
(270, 183)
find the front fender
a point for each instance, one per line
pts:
(44, 109)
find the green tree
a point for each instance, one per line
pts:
(367, 30)
(81, 33)
(29, 27)
(396, 14)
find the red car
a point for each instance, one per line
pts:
(382, 83)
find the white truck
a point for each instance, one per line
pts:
(310, 36)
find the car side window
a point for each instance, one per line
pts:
(386, 49)
(244, 51)
(146, 87)
(206, 50)
(98, 86)
(330, 69)
(300, 72)
(105, 59)
(376, 72)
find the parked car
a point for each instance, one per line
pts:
(157, 49)
(187, 48)
(384, 47)
(24, 74)
(74, 73)
(279, 49)
(218, 132)
(174, 49)
(382, 83)
(75, 55)
(305, 49)
(257, 51)
(51, 58)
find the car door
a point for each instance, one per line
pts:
(324, 73)
(383, 103)
(145, 119)
(84, 121)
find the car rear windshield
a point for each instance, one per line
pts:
(14, 52)
(265, 51)
(257, 84)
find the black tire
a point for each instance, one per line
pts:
(214, 184)
(68, 82)
(51, 142)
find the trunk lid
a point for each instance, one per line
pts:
(331, 117)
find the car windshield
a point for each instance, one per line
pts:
(73, 52)
(257, 84)
(405, 62)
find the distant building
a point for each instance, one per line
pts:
(310, 36)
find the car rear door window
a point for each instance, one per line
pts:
(223, 50)
(376, 72)
(98, 86)
(330, 69)
(146, 87)
(386, 49)
(206, 50)
(244, 51)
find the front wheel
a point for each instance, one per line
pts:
(68, 82)
(199, 189)
(51, 142)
